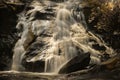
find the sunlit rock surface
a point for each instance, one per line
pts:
(53, 34)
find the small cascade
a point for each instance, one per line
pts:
(58, 54)
(62, 48)
(62, 39)
(26, 36)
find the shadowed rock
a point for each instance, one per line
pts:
(75, 64)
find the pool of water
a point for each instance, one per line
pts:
(79, 75)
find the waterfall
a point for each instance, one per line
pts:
(26, 36)
(68, 37)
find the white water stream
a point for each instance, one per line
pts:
(69, 39)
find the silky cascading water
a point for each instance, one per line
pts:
(64, 38)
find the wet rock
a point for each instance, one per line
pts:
(37, 66)
(50, 32)
(15, 7)
(41, 15)
(98, 47)
(110, 63)
(29, 62)
(75, 64)
(29, 39)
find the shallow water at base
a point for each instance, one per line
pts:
(105, 75)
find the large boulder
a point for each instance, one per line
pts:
(77, 63)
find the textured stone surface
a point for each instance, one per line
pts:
(8, 35)
(77, 63)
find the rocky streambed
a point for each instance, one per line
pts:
(79, 75)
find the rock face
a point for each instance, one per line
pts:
(53, 34)
(8, 36)
(103, 19)
(77, 63)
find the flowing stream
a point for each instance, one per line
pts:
(63, 28)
